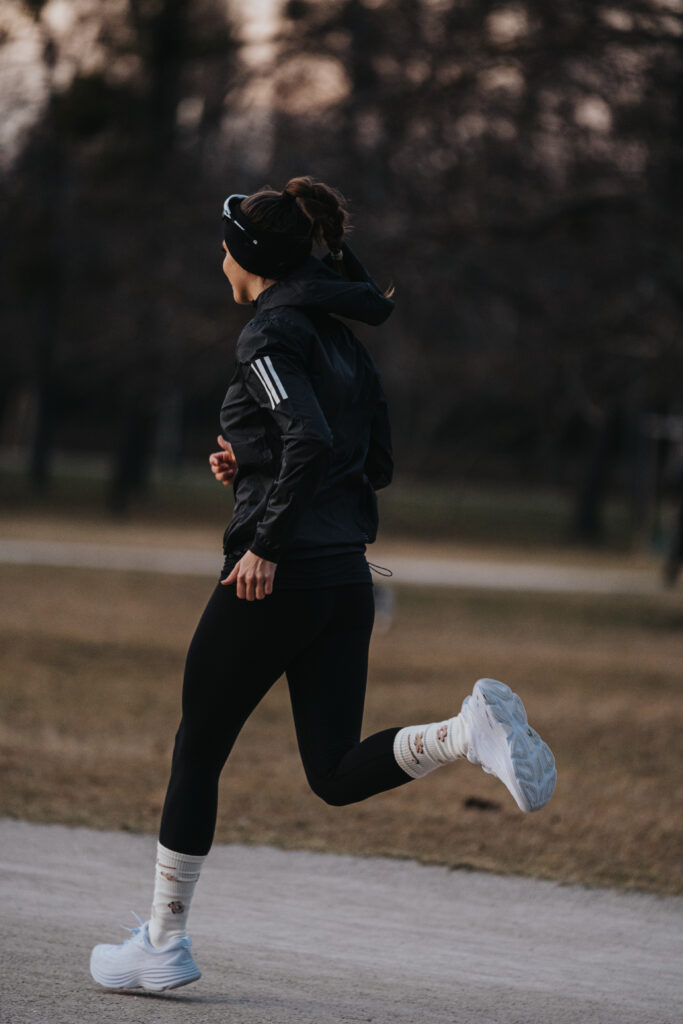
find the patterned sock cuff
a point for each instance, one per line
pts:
(407, 757)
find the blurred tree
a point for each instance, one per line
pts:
(107, 207)
(520, 205)
(515, 169)
(39, 282)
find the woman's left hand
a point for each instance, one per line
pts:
(253, 576)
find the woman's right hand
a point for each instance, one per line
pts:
(223, 463)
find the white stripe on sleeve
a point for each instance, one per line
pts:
(269, 389)
(265, 376)
(275, 377)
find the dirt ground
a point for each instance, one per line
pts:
(91, 663)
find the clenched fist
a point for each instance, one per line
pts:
(223, 463)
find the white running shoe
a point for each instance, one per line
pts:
(504, 744)
(136, 963)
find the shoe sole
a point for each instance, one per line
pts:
(150, 980)
(507, 746)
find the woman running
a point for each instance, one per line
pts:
(306, 444)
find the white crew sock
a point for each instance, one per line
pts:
(174, 882)
(420, 749)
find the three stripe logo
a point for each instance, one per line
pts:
(265, 371)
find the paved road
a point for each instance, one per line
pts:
(420, 570)
(304, 938)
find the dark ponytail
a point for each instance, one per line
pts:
(304, 207)
(324, 206)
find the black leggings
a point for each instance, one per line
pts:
(320, 639)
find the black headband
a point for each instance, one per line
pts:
(266, 253)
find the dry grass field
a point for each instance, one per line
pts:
(91, 663)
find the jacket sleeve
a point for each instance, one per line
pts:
(379, 462)
(274, 372)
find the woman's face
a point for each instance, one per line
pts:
(238, 277)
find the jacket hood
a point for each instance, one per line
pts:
(316, 285)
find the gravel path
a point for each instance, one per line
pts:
(304, 938)
(419, 570)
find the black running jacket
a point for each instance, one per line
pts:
(307, 418)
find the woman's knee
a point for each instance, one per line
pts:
(331, 791)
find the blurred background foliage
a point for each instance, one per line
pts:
(514, 169)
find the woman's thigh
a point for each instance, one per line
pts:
(327, 680)
(239, 649)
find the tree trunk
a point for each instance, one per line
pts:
(163, 41)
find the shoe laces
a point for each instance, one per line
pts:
(134, 931)
(184, 940)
